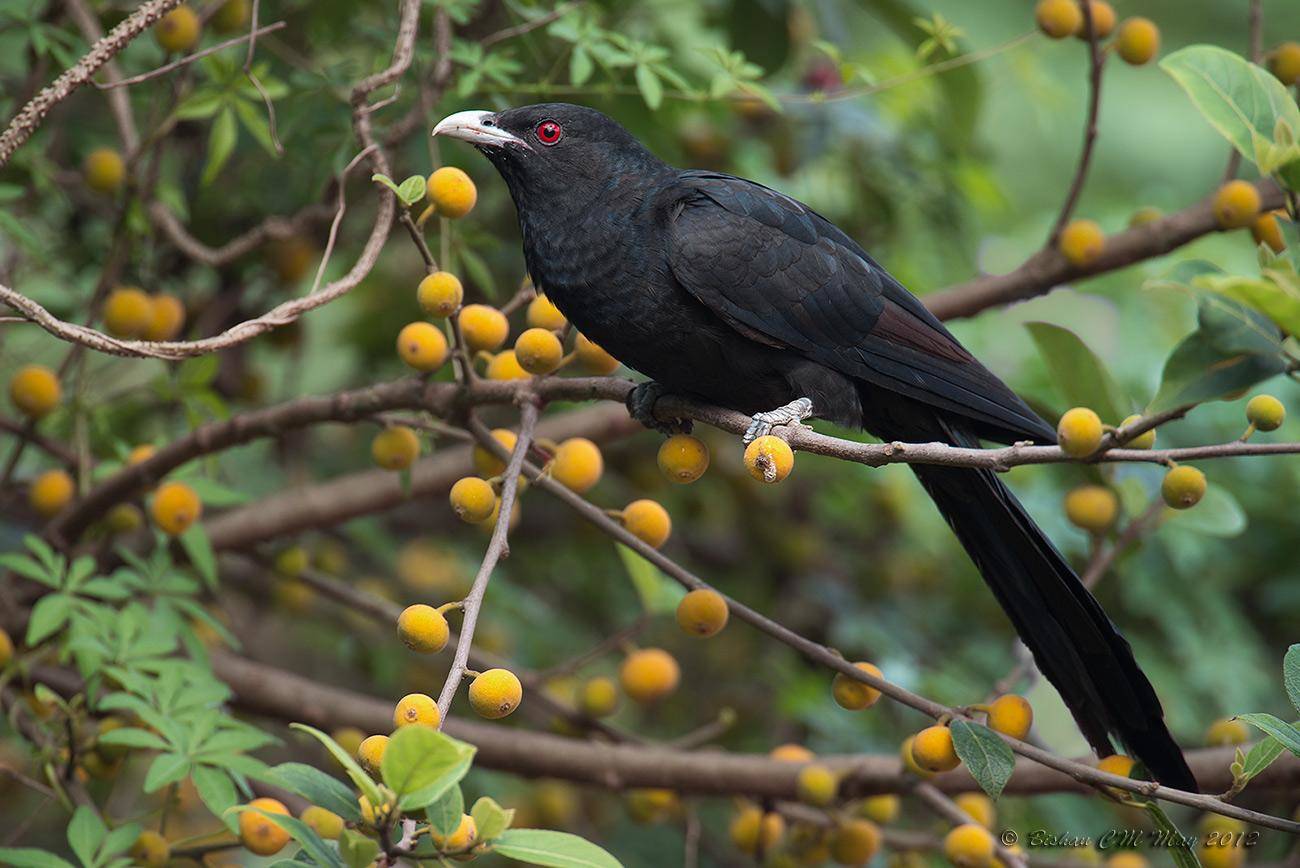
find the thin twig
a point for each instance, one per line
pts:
(528, 26)
(1096, 61)
(188, 59)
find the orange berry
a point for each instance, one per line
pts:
(1091, 507)
(853, 694)
(416, 709)
(593, 357)
(140, 453)
(150, 850)
(969, 846)
(1079, 432)
(1103, 19)
(978, 807)
(484, 328)
(1183, 487)
(258, 833)
(231, 16)
(1284, 61)
(703, 612)
(395, 448)
(1081, 242)
(1116, 764)
(597, 697)
(1266, 230)
(51, 492)
(792, 753)
(495, 693)
(104, 170)
(175, 507)
(538, 351)
(933, 749)
(505, 366)
(1237, 204)
(487, 464)
(323, 822)
(753, 831)
(769, 459)
(35, 390)
(178, 31)
(1227, 731)
(166, 318)
(683, 458)
(440, 294)
(370, 753)
(452, 192)
(816, 785)
(577, 465)
(473, 499)
(909, 760)
(422, 346)
(1058, 18)
(1138, 41)
(1145, 440)
(1011, 715)
(128, 312)
(855, 842)
(649, 674)
(290, 258)
(465, 835)
(647, 521)
(543, 314)
(423, 628)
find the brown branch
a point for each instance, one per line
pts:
(528, 26)
(56, 450)
(189, 58)
(30, 117)
(119, 104)
(271, 229)
(1048, 269)
(945, 808)
(1096, 61)
(498, 547)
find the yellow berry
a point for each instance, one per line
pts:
(290, 258)
(473, 500)
(140, 453)
(1145, 440)
(1126, 859)
(1011, 715)
(1081, 242)
(1266, 230)
(538, 351)
(440, 294)
(543, 314)
(462, 839)
(1221, 855)
(769, 459)
(495, 693)
(416, 709)
(592, 357)
(683, 458)
(853, 694)
(648, 522)
(754, 831)
(1079, 432)
(150, 850)
(349, 738)
(649, 674)
(978, 807)
(933, 749)
(51, 492)
(452, 192)
(505, 366)
(1183, 487)
(487, 464)
(231, 16)
(792, 753)
(577, 465)
(166, 318)
(969, 846)
(816, 785)
(1237, 204)
(104, 170)
(1138, 41)
(178, 30)
(854, 842)
(395, 448)
(1144, 215)
(422, 346)
(1091, 507)
(1116, 764)
(175, 507)
(258, 833)
(1058, 18)
(1265, 412)
(128, 312)
(484, 328)
(1285, 62)
(370, 753)
(124, 518)
(34, 390)
(651, 806)
(598, 697)
(292, 562)
(882, 809)
(323, 821)
(703, 612)
(423, 628)
(1103, 19)
(1227, 731)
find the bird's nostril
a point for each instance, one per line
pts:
(488, 123)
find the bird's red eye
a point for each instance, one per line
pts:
(549, 132)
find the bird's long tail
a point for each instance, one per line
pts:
(1073, 641)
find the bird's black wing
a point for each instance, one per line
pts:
(770, 265)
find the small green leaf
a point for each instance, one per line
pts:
(1078, 373)
(221, 144)
(358, 775)
(1291, 674)
(412, 190)
(131, 736)
(987, 757)
(658, 593)
(1260, 756)
(357, 850)
(652, 90)
(85, 832)
(490, 819)
(1175, 842)
(48, 615)
(166, 769)
(199, 550)
(217, 792)
(30, 857)
(552, 849)
(445, 813)
(387, 182)
(318, 788)
(1284, 732)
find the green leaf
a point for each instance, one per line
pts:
(85, 832)
(652, 90)
(445, 813)
(420, 764)
(217, 793)
(1077, 372)
(118, 841)
(490, 819)
(1259, 757)
(199, 550)
(1217, 515)
(357, 850)
(1284, 732)
(48, 615)
(221, 144)
(318, 788)
(1272, 295)
(386, 181)
(1244, 102)
(552, 849)
(166, 769)
(1291, 674)
(658, 593)
(30, 857)
(363, 781)
(131, 736)
(412, 190)
(987, 757)
(1233, 348)
(1176, 843)
(581, 66)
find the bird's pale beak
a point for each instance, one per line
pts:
(477, 128)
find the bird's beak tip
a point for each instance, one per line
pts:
(476, 127)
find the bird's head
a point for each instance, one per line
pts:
(551, 146)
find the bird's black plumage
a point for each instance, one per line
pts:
(722, 288)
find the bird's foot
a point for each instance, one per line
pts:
(791, 414)
(641, 407)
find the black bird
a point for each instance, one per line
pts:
(721, 288)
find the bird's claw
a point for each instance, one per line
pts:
(790, 414)
(641, 407)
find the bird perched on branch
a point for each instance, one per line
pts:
(720, 288)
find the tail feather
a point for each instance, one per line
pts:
(1074, 643)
